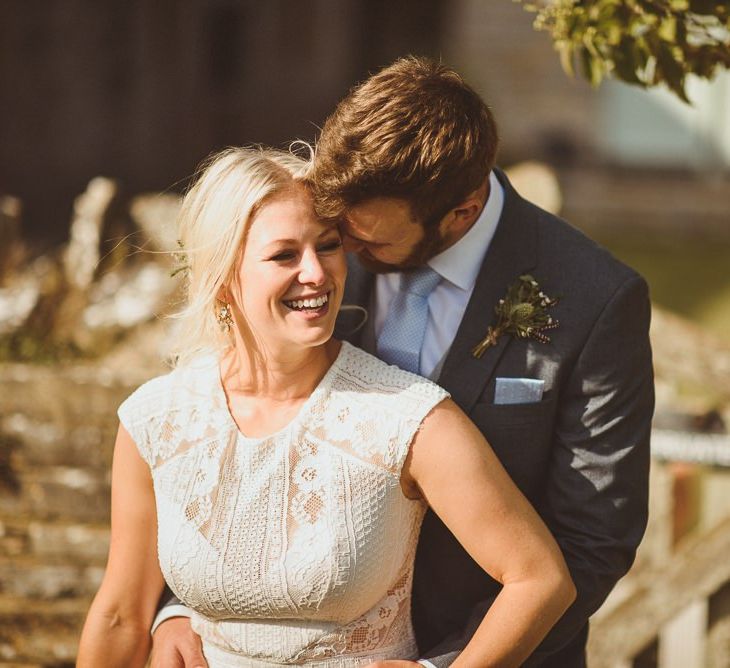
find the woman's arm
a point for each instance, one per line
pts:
(453, 468)
(116, 632)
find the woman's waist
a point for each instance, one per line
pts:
(218, 657)
(253, 642)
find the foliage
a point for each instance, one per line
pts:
(24, 347)
(641, 42)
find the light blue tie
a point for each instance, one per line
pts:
(402, 336)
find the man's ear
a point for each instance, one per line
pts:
(462, 216)
(456, 223)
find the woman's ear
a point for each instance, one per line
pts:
(224, 294)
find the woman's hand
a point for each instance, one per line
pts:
(463, 481)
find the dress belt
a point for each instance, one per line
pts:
(221, 658)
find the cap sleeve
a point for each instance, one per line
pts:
(416, 401)
(141, 410)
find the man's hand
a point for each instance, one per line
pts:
(394, 664)
(176, 645)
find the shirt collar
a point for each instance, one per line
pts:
(460, 263)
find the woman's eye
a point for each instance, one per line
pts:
(284, 256)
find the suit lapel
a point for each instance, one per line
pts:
(513, 251)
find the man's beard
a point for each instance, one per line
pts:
(422, 252)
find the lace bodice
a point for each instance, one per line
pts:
(296, 547)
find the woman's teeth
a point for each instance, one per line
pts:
(314, 303)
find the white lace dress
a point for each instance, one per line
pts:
(295, 548)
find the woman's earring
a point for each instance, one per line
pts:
(224, 316)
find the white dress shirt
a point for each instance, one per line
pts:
(458, 267)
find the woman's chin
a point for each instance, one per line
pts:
(312, 325)
(311, 335)
(318, 337)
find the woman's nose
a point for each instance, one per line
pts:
(311, 270)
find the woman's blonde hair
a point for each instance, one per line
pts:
(216, 213)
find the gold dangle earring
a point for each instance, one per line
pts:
(224, 315)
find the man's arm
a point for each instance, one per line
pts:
(174, 643)
(168, 607)
(597, 486)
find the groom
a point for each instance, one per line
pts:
(406, 165)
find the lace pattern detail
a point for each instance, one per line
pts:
(297, 547)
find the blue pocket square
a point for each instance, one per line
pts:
(518, 390)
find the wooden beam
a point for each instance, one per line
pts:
(696, 571)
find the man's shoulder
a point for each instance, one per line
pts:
(377, 381)
(569, 256)
(563, 250)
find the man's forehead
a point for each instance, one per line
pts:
(380, 216)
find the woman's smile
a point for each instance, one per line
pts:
(311, 304)
(292, 273)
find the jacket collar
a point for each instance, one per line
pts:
(513, 252)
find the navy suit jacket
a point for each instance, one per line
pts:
(580, 455)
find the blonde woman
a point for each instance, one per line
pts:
(277, 477)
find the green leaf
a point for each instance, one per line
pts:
(668, 29)
(706, 6)
(642, 42)
(612, 33)
(641, 56)
(681, 34)
(651, 12)
(626, 64)
(566, 57)
(670, 71)
(591, 67)
(589, 42)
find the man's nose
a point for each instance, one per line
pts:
(311, 270)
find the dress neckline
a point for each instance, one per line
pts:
(304, 409)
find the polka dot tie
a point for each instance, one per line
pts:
(402, 336)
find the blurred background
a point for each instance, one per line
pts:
(107, 108)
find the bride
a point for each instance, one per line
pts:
(276, 479)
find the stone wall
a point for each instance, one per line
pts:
(57, 428)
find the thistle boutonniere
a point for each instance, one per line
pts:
(522, 313)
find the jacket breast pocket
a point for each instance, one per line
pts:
(521, 436)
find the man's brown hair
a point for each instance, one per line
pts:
(415, 131)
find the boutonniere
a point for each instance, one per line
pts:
(521, 313)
